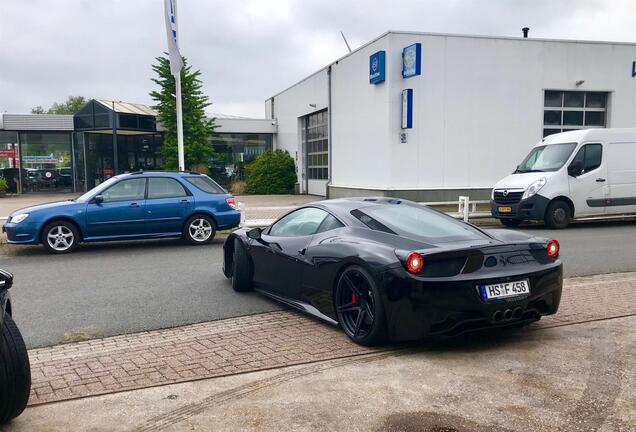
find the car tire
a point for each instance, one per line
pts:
(376, 326)
(511, 223)
(558, 215)
(59, 237)
(241, 268)
(199, 229)
(15, 373)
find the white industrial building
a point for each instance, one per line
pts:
(476, 106)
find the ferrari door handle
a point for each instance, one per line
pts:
(600, 180)
(184, 201)
(134, 205)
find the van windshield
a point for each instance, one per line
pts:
(546, 158)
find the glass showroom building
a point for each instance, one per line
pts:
(73, 153)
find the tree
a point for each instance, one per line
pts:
(196, 127)
(272, 172)
(71, 106)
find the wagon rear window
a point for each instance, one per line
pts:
(416, 222)
(206, 184)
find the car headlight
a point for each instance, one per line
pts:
(19, 218)
(534, 188)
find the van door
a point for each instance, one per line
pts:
(621, 171)
(587, 177)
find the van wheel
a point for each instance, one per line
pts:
(558, 215)
(511, 223)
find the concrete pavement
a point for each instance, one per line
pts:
(565, 377)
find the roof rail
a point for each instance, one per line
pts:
(165, 171)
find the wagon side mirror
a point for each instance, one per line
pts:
(98, 199)
(576, 168)
(254, 234)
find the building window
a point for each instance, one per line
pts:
(316, 143)
(233, 151)
(46, 161)
(570, 110)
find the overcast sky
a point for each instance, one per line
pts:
(247, 50)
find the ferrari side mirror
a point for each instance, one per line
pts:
(254, 234)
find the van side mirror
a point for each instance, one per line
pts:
(98, 199)
(254, 234)
(576, 168)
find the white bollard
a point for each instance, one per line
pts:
(241, 209)
(464, 207)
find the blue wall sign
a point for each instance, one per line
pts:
(376, 67)
(412, 60)
(407, 108)
(633, 69)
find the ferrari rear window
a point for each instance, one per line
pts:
(415, 221)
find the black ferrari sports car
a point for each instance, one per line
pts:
(385, 268)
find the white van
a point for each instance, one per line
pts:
(582, 174)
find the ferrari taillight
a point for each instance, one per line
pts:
(553, 249)
(414, 262)
(230, 201)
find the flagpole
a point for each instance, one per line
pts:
(179, 124)
(177, 78)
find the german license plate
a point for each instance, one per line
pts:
(505, 209)
(505, 289)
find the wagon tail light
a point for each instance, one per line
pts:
(414, 262)
(230, 201)
(552, 249)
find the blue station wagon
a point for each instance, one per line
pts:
(137, 205)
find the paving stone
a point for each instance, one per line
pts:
(255, 342)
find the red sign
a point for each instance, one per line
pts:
(7, 153)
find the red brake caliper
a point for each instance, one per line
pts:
(354, 298)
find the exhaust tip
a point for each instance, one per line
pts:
(497, 316)
(508, 314)
(517, 313)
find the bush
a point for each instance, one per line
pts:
(273, 172)
(237, 187)
(3, 185)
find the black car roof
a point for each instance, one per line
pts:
(342, 207)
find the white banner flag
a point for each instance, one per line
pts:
(176, 62)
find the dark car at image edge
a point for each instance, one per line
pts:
(390, 269)
(15, 370)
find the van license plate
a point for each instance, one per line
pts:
(505, 289)
(505, 209)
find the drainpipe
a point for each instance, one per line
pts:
(329, 117)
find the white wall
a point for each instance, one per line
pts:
(478, 107)
(245, 125)
(289, 106)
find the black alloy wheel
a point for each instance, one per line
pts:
(359, 307)
(15, 372)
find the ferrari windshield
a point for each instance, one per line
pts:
(546, 158)
(416, 221)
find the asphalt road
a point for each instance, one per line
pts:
(117, 288)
